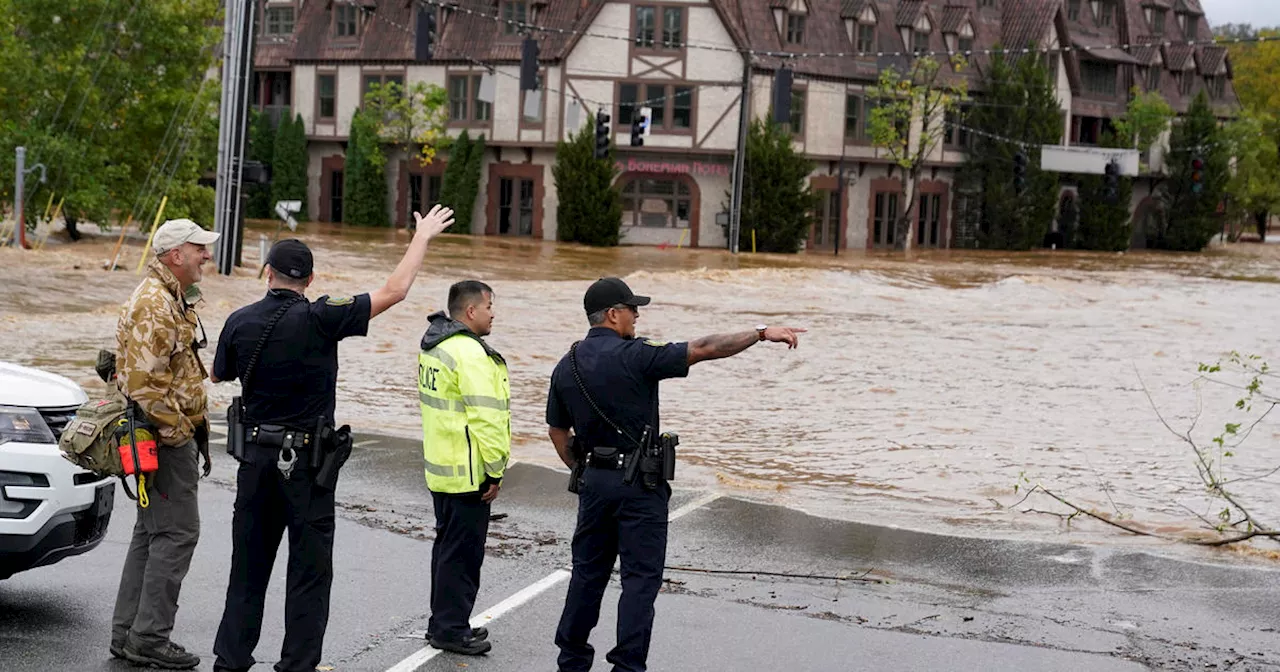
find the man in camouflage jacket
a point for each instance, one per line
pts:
(160, 370)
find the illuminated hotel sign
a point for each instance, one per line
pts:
(694, 168)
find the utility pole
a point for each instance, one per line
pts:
(19, 185)
(840, 199)
(237, 68)
(740, 157)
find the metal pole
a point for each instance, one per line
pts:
(229, 32)
(840, 199)
(236, 70)
(19, 225)
(740, 157)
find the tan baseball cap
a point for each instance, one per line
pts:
(175, 232)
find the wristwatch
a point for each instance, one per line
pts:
(760, 330)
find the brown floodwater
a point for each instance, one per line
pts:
(927, 386)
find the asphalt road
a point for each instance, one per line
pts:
(751, 587)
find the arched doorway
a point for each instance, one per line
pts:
(659, 208)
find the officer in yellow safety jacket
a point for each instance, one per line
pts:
(466, 443)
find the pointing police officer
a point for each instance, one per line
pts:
(605, 391)
(284, 350)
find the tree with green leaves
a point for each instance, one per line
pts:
(107, 95)
(1105, 225)
(289, 165)
(364, 174)
(1191, 196)
(461, 182)
(261, 148)
(1253, 139)
(590, 210)
(1020, 103)
(907, 124)
(412, 119)
(777, 200)
(469, 186)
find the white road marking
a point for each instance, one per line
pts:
(362, 444)
(426, 653)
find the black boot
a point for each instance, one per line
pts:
(467, 646)
(168, 656)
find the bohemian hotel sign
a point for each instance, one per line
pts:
(676, 167)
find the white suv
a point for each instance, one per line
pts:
(49, 508)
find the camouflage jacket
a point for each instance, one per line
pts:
(157, 366)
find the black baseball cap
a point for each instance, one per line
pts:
(609, 292)
(291, 257)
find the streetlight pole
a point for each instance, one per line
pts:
(19, 186)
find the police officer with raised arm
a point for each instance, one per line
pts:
(284, 350)
(602, 417)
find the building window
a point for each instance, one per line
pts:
(515, 206)
(1099, 78)
(326, 86)
(955, 133)
(1153, 78)
(1217, 86)
(797, 111)
(656, 203)
(986, 3)
(866, 37)
(1073, 10)
(514, 13)
(537, 115)
(852, 117)
(929, 221)
(463, 105)
(884, 219)
(672, 105)
(795, 28)
(370, 80)
(279, 20)
(920, 42)
(1157, 22)
(826, 220)
(645, 20)
(345, 20)
(1187, 82)
(419, 186)
(966, 45)
(1107, 10)
(672, 28)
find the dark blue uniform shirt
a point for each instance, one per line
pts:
(296, 377)
(622, 376)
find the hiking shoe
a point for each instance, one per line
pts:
(468, 646)
(480, 634)
(167, 656)
(117, 650)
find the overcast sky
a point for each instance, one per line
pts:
(1258, 12)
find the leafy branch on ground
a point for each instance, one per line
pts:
(1233, 522)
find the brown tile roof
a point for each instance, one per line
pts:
(953, 17)
(1100, 49)
(908, 13)
(1146, 55)
(1177, 56)
(1026, 22)
(382, 34)
(850, 9)
(1211, 58)
(1164, 4)
(1190, 7)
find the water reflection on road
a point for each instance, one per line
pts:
(926, 386)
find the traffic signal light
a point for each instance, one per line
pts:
(1020, 171)
(529, 65)
(602, 135)
(1197, 175)
(639, 126)
(782, 96)
(425, 36)
(1113, 182)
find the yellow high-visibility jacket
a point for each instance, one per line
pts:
(466, 408)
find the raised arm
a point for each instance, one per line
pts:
(719, 346)
(397, 287)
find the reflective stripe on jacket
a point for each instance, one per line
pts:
(466, 414)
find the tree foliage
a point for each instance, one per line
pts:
(907, 123)
(1190, 218)
(412, 118)
(590, 210)
(289, 165)
(365, 183)
(1145, 119)
(261, 147)
(1021, 103)
(461, 182)
(105, 95)
(1254, 136)
(777, 201)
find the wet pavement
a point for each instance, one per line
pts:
(749, 587)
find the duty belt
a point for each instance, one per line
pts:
(278, 436)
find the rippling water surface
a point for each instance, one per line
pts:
(927, 385)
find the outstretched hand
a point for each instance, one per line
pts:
(431, 224)
(788, 335)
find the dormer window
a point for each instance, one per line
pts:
(278, 20)
(1182, 22)
(346, 20)
(919, 34)
(514, 14)
(862, 29)
(1073, 10)
(1104, 12)
(650, 34)
(795, 28)
(1155, 19)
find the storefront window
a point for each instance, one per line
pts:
(656, 203)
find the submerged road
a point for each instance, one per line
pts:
(752, 587)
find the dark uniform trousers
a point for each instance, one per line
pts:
(614, 520)
(462, 525)
(164, 541)
(267, 504)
